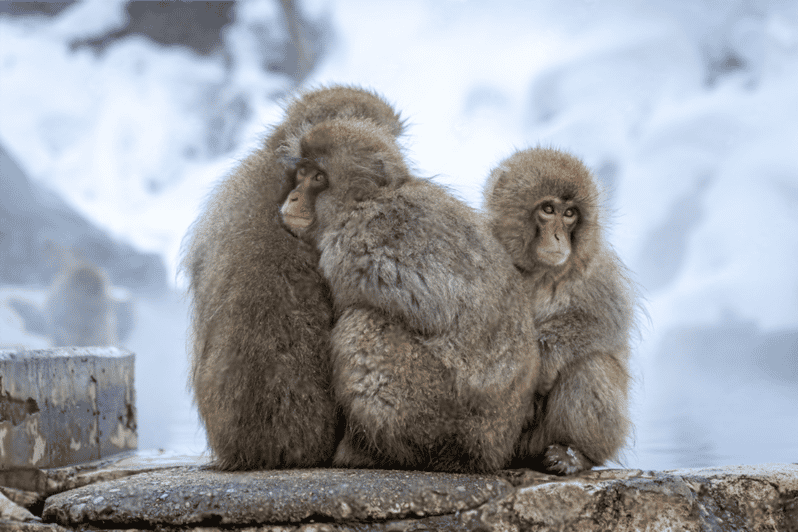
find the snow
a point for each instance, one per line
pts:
(686, 110)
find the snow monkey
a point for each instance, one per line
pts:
(544, 207)
(434, 357)
(79, 308)
(261, 313)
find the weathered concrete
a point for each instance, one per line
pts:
(744, 498)
(65, 405)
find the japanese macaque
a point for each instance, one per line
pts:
(261, 312)
(79, 308)
(544, 207)
(434, 356)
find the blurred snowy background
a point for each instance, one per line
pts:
(117, 119)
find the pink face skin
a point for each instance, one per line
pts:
(556, 219)
(298, 210)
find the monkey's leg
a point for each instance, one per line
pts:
(353, 455)
(258, 416)
(390, 391)
(584, 419)
(486, 432)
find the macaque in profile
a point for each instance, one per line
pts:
(262, 313)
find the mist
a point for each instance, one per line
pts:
(117, 120)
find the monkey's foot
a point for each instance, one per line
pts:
(565, 460)
(349, 455)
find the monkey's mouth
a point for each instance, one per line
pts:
(298, 222)
(553, 258)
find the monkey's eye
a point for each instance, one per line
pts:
(548, 208)
(320, 180)
(570, 213)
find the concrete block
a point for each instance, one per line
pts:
(65, 405)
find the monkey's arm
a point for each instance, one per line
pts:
(566, 336)
(411, 258)
(598, 319)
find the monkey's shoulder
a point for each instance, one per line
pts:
(417, 216)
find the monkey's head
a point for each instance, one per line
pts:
(544, 207)
(310, 108)
(90, 280)
(343, 162)
(340, 101)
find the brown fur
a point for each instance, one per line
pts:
(261, 312)
(583, 310)
(432, 358)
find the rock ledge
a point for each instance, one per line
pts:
(750, 498)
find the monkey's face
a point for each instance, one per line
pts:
(545, 210)
(343, 162)
(556, 220)
(298, 211)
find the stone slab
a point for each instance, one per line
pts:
(193, 496)
(65, 405)
(11, 511)
(750, 498)
(736, 498)
(41, 483)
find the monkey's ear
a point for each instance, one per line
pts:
(372, 177)
(496, 180)
(501, 179)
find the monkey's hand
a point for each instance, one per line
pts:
(552, 360)
(565, 460)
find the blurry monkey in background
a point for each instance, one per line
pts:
(81, 308)
(544, 207)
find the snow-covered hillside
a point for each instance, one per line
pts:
(685, 109)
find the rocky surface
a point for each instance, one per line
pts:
(745, 498)
(193, 496)
(152, 490)
(13, 512)
(750, 498)
(29, 487)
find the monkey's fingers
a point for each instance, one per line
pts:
(565, 460)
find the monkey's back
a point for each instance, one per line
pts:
(432, 323)
(261, 322)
